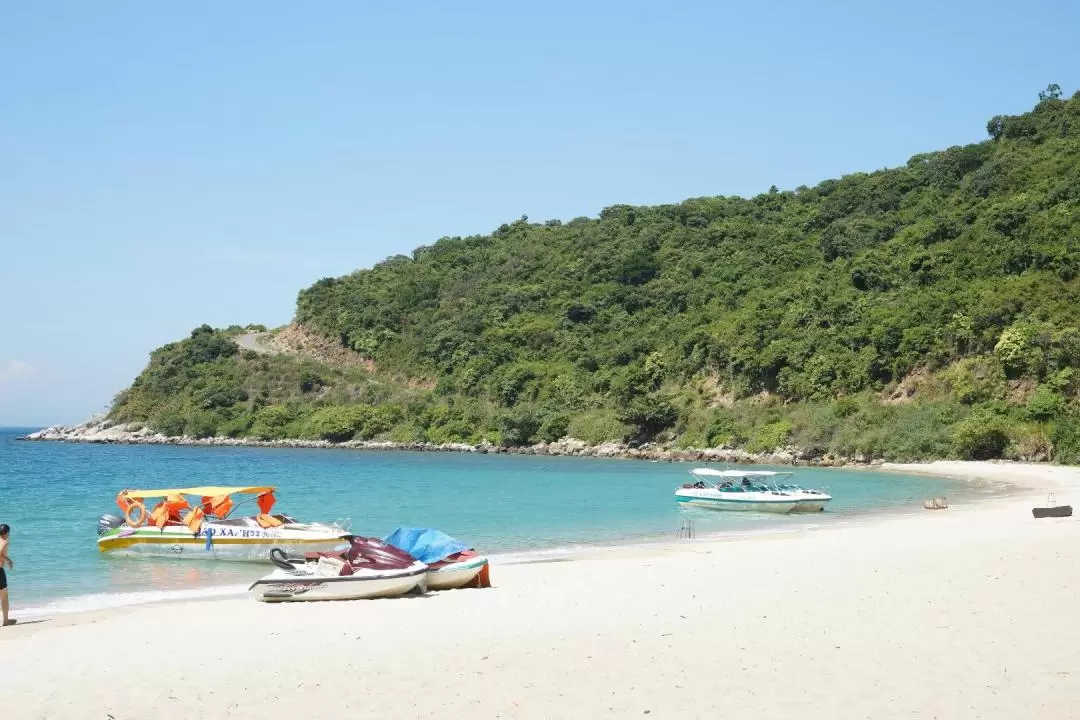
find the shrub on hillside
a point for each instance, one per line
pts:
(1065, 436)
(206, 345)
(456, 430)
(975, 380)
(1029, 442)
(270, 422)
(980, 436)
(813, 427)
(407, 432)
(770, 437)
(648, 415)
(723, 429)
(336, 424)
(1044, 404)
(517, 426)
(237, 427)
(901, 433)
(201, 424)
(169, 422)
(218, 393)
(310, 380)
(380, 420)
(597, 426)
(553, 426)
(920, 431)
(860, 435)
(691, 429)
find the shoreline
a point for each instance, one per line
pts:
(97, 432)
(915, 615)
(647, 544)
(1046, 477)
(104, 432)
(108, 602)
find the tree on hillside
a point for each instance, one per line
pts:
(1052, 92)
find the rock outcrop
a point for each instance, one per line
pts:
(101, 430)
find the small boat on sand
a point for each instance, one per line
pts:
(748, 490)
(368, 569)
(1052, 509)
(202, 523)
(1056, 511)
(451, 564)
(464, 569)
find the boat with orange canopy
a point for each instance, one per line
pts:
(206, 522)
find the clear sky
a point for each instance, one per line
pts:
(163, 165)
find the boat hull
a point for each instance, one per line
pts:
(455, 575)
(812, 502)
(1056, 511)
(242, 544)
(716, 501)
(284, 586)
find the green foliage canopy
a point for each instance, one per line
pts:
(960, 267)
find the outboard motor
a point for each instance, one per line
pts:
(108, 522)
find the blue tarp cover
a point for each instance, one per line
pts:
(424, 544)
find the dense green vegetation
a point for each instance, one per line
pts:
(206, 385)
(923, 311)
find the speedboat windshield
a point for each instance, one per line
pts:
(739, 480)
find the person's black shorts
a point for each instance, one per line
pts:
(3, 579)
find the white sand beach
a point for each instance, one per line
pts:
(957, 613)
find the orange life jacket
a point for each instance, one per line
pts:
(221, 505)
(266, 501)
(194, 520)
(159, 515)
(267, 521)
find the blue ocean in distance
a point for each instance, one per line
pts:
(511, 506)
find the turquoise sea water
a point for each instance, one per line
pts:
(515, 507)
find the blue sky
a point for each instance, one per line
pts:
(166, 165)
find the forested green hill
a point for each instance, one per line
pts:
(924, 311)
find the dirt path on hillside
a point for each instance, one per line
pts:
(254, 341)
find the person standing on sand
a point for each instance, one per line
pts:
(5, 532)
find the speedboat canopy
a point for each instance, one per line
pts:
(710, 472)
(205, 491)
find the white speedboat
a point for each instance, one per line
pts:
(369, 569)
(747, 491)
(459, 571)
(199, 523)
(451, 564)
(809, 500)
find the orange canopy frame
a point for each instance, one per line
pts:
(204, 491)
(214, 501)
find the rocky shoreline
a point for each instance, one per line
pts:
(101, 431)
